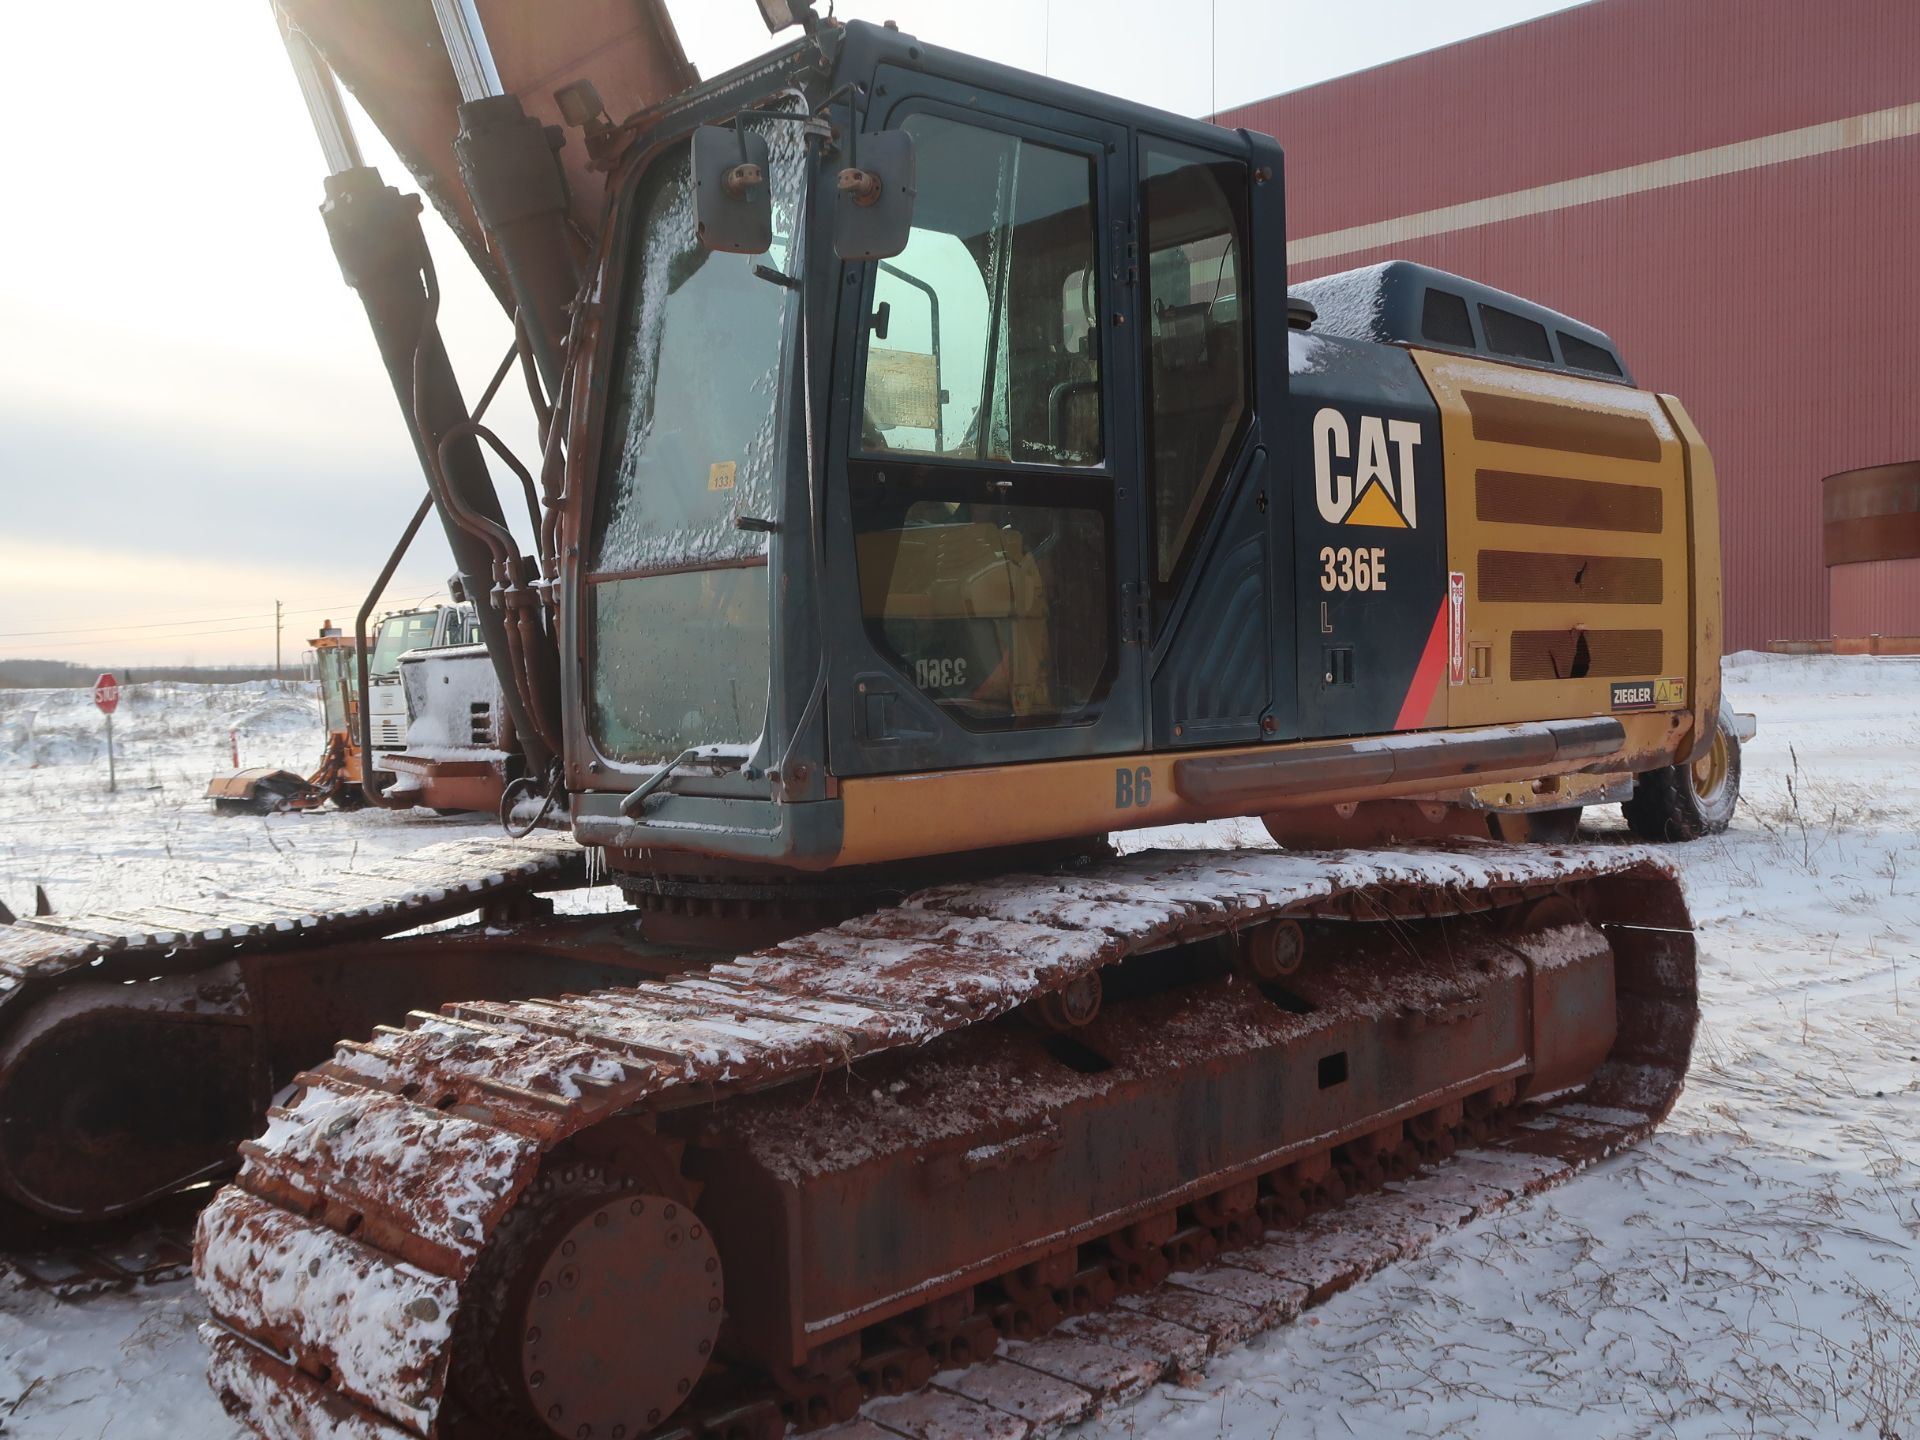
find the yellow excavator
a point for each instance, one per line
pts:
(263, 789)
(938, 476)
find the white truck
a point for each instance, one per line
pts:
(432, 627)
(460, 745)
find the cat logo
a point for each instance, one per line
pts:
(1379, 490)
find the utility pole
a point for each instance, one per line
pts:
(276, 639)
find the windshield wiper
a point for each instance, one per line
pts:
(632, 805)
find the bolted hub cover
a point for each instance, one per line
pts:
(620, 1318)
(1275, 949)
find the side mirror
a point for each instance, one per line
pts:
(732, 203)
(874, 212)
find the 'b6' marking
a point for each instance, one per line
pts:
(1132, 789)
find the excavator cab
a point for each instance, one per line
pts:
(336, 666)
(921, 513)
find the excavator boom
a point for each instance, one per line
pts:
(392, 57)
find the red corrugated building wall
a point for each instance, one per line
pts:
(1730, 188)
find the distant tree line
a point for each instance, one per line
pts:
(63, 674)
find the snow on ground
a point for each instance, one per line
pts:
(1752, 1270)
(156, 837)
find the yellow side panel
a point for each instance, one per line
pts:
(1703, 520)
(897, 817)
(1567, 514)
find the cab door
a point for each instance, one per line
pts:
(1212, 258)
(983, 551)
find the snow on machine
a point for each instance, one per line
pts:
(936, 478)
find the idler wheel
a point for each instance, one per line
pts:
(620, 1318)
(106, 1106)
(593, 1315)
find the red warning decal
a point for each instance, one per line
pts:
(1456, 628)
(1420, 694)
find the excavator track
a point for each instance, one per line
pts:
(394, 893)
(509, 1218)
(151, 1248)
(138, 1045)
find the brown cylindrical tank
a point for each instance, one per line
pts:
(1870, 542)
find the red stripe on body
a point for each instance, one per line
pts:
(1426, 675)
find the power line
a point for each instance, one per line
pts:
(114, 643)
(112, 632)
(192, 616)
(163, 624)
(96, 642)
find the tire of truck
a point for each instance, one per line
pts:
(1684, 802)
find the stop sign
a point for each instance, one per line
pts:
(106, 693)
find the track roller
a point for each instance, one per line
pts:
(1273, 951)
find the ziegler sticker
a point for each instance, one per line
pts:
(1648, 694)
(1456, 628)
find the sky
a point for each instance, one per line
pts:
(193, 420)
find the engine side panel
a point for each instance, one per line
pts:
(1567, 519)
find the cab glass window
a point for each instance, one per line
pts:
(399, 635)
(989, 592)
(680, 609)
(983, 340)
(695, 401)
(998, 613)
(338, 682)
(1193, 207)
